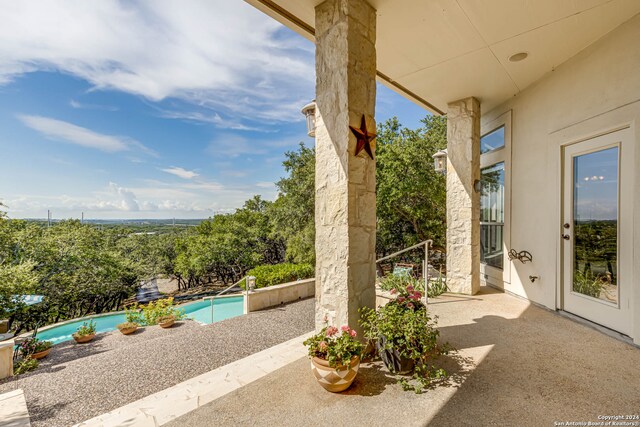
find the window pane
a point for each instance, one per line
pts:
(492, 215)
(492, 141)
(595, 222)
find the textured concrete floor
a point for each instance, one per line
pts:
(79, 381)
(518, 365)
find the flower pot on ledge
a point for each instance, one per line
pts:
(166, 322)
(41, 354)
(81, 339)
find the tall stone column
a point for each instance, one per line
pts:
(345, 211)
(463, 202)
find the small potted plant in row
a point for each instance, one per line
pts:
(335, 357)
(127, 328)
(34, 348)
(85, 333)
(166, 321)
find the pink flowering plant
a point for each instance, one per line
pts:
(408, 297)
(336, 346)
(34, 345)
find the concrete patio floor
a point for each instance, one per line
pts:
(518, 364)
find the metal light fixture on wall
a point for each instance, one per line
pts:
(440, 166)
(309, 112)
(440, 161)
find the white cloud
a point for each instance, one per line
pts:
(125, 199)
(215, 55)
(80, 105)
(232, 145)
(180, 172)
(265, 184)
(152, 199)
(72, 134)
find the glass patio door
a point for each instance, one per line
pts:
(595, 232)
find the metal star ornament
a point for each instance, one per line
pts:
(363, 138)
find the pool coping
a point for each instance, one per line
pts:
(113, 313)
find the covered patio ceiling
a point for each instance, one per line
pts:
(439, 51)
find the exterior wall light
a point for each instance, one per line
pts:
(440, 161)
(309, 112)
(251, 283)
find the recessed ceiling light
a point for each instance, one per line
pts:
(517, 57)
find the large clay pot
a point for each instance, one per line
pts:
(83, 339)
(335, 379)
(393, 360)
(40, 354)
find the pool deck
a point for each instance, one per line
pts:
(79, 381)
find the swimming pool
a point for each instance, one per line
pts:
(224, 308)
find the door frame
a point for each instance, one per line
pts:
(622, 138)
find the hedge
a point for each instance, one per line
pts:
(276, 274)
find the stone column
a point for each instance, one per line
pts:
(463, 202)
(345, 211)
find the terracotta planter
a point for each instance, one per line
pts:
(40, 354)
(83, 339)
(335, 379)
(129, 331)
(393, 360)
(167, 323)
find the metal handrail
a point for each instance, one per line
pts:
(225, 290)
(425, 267)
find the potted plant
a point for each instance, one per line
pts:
(166, 321)
(86, 332)
(335, 357)
(127, 328)
(405, 338)
(34, 348)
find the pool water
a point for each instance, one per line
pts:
(224, 308)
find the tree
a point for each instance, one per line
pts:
(225, 247)
(292, 214)
(411, 195)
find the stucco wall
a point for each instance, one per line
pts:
(596, 90)
(280, 294)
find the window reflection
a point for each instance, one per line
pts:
(492, 141)
(595, 222)
(492, 216)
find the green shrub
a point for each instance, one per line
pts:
(405, 326)
(276, 274)
(587, 284)
(399, 283)
(25, 365)
(152, 312)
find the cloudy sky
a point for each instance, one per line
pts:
(150, 109)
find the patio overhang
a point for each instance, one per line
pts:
(437, 52)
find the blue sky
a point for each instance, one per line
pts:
(151, 109)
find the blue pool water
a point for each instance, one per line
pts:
(224, 308)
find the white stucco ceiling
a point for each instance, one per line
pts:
(443, 50)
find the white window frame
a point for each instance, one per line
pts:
(489, 275)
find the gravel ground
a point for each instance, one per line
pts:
(80, 381)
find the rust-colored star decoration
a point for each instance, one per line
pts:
(363, 137)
